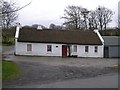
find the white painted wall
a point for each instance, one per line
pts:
(40, 49)
(81, 51)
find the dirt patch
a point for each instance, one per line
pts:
(39, 73)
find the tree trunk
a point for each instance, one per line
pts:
(105, 26)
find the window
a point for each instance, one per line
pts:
(86, 48)
(49, 48)
(96, 49)
(75, 48)
(29, 47)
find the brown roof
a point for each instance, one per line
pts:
(59, 36)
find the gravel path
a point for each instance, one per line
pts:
(77, 62)
(36, 73)
(8, 49)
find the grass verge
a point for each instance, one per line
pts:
(5, 44)
(9, 70)
(0, 70)
(116, 67)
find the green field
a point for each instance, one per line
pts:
(10, 70)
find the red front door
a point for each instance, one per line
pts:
(64, 51)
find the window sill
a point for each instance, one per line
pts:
(49, 52)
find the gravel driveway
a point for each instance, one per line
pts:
(44, 70)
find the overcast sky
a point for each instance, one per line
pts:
(45, 12)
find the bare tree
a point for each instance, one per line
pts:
(118, 21)
(93, 21)
(0, 14)
(80, 18)
(107, 17)
(104, 16)
(73, 16)
(85, 13)
(8, 18)
(9, 12)
(16, 9)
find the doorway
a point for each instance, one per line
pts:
(64, 51)
(106, 52)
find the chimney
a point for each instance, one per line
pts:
(17, 30)
(39, 27)
(96, 30)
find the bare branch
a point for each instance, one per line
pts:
(72, 16)
(17, 9)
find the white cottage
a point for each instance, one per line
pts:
(39, 42)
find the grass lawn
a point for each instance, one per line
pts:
(116, 67)
(9, 70)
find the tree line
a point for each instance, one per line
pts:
(75, 17)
